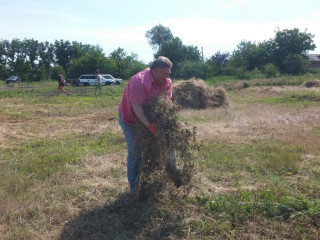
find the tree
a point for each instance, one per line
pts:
(217, 62)
(295, 64)
(16, 59)
(127, 65)
(63, 53)
(87, 64)
(158, 35)
(118, 54)
(66, 52)
(270, 70)
(55, 70)
(178, 53)
(4, 72)
(220, 58)
(291, 42)
(31, 53)
(46, 52)
(189, 69)
(245, 56)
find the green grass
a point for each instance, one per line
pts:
(316, 130)
(275, 157)
(231, 82)
(47, 89)
(259, 187)
(36, 160)
(219, 79)
(39, 101)
(300, 98)
(245, 205)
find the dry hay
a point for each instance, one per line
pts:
(153, 150)
(312, 83)
(196, 94)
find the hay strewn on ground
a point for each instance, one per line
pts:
(196, 94)
(154, 149)
(312, 83)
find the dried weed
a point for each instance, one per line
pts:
(196, 94)
(154, 149)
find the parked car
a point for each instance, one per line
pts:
(91, 80)
(13, 79)
(108, 76)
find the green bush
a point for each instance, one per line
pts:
(270, 70)
(241, 73)
(295, 64)
(189, 69)
(55, 70)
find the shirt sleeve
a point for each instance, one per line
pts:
(169, 88)
(136, 92)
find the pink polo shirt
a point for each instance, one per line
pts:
(139, 90)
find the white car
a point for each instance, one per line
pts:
(13, 79)
(108, 76)
(91, 80)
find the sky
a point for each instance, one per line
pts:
(216, 25)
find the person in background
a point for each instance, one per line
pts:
(98, 86)
(142, 87)
(61, 84)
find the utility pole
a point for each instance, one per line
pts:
(202, 53)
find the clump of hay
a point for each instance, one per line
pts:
(196, 94)
(312, 83)
(153, 150)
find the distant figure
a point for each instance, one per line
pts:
(98, 86)
(61, 84)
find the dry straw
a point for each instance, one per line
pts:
(196, 94)
(312, 83)
(154, 150)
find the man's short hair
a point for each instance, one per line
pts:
(161, 62)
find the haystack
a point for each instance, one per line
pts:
(196, 94)
(312, 83)
(154, 149)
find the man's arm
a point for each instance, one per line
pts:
(138, 110)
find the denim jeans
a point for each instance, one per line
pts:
(132, 158)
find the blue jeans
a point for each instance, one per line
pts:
(132, 158)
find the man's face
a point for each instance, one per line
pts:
(161, 74)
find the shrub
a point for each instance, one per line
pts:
(270, 70)
(189, 69)
(241, 73)
(55, 70)
(295, 64)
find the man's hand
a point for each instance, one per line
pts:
(152, 128)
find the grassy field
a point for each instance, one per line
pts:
(63, 166)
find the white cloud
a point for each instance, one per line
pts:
(218, 35)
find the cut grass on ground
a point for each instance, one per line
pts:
(63, 168)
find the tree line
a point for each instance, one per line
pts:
(33, 60)
(285, 53)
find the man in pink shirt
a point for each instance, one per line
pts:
(143, 86)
